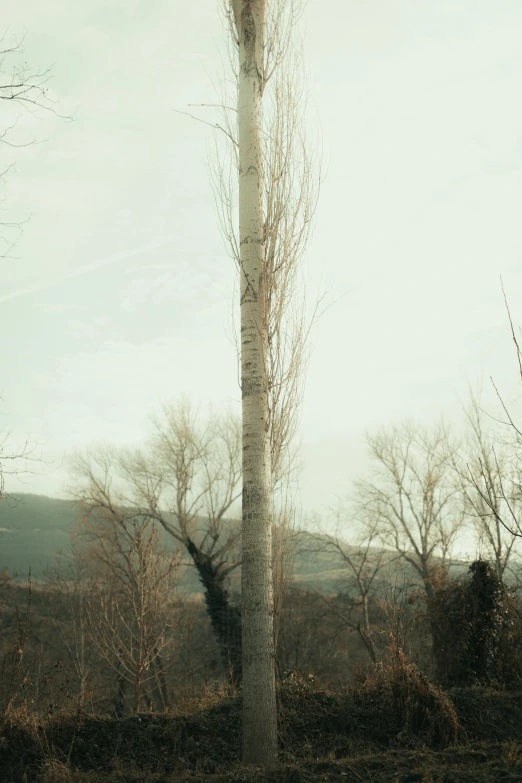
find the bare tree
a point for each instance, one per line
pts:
(276, 199)
(363, 561)
(24, 87)
(257, 598)
(413, 498)
(132, 577)
(199, 467)
(486, 462)
(67, 580)
(278, 192)
(14, 462)
(187, 479)
(511, 484)
(290, 191)
(291, 185)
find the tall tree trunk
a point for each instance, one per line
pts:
(257, 599)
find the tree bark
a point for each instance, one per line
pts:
(258, 655)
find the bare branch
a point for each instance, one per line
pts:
(413, 499)
(517, 347)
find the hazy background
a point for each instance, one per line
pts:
(121, 292)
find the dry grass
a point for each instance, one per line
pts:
(395, 726)
(396, 693)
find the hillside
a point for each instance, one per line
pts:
(37, 527)
(33, 531)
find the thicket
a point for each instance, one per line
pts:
(469, 633)
(476, 629)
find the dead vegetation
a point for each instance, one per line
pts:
(392, 720)
(391, 725)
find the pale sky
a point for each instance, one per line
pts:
(120, 294)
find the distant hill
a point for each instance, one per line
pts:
(32, 532)
(326, 571)
(37, 527)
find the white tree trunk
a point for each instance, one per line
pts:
(258, 655)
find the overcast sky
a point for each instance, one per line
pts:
(120, 293)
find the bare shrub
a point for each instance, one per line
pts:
(397, 694)
(12, 670)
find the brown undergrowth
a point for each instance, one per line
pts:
(392, 726)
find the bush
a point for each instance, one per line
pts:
(475, 635)
(397, 694)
